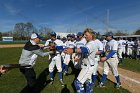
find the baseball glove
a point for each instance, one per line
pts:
(51, 47)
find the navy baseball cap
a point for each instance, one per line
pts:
(35, 35)
(79, 34)
(69, 35)
(109, 34)
(64, 38)
(58, 37)
(73, 36)
(53, 34)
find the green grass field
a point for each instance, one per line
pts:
(131, 64)
(14, 81)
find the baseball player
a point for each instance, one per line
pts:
(28, 56)
(120, 49)
(111, 60)
(80, 42)
(64, 46)
(104, 41)
(88, 53)
(55, 59)
(130, 45)
(73, 42)
(138, 48)
(124, 48)
(99, 46)
(66, 58)
(70, 58)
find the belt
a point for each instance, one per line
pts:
(87, 65)
(55, 54)
(113, 57)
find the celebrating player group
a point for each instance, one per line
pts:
(84, 51)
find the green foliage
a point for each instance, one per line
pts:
(0, 35)
(137, 32)
(120, 33)
(14, 81)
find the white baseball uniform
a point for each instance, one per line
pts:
(120, 48)
(66, 57)
(138, 48)
(79, 44)
(99, 45)
(113, 61)
(124, 46)
(88, 63)
(56, 58)
(130, 47)
(104, 44)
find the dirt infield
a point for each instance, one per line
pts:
(129, 80)
(10, 45)
(14, 45)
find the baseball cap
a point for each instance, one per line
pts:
(64, 38)
(69, 35)
(53, 34)
(35, 35)
(73, 36)
(58, 37)
(79, 34)
(109, 34)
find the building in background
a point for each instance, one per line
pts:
(7, 38)
(63, 34)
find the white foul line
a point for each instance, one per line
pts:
(130, 79)
(127, 78)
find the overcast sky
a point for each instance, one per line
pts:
(71, 15)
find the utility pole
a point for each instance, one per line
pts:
(107, 21)
(86, 21)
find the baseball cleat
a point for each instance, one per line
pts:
(118, 85)
(65, 73)
(101, 85)
(62, 83)
(51, 82)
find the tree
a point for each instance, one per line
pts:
(29, 28)
(0, 35)
(120, 33)
(45, 32)
(137, 32)
(23, 30)
(19, 30)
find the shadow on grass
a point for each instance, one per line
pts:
(99, 77)
(65, 90)
(41, 83)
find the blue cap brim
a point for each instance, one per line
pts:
(38, 36)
